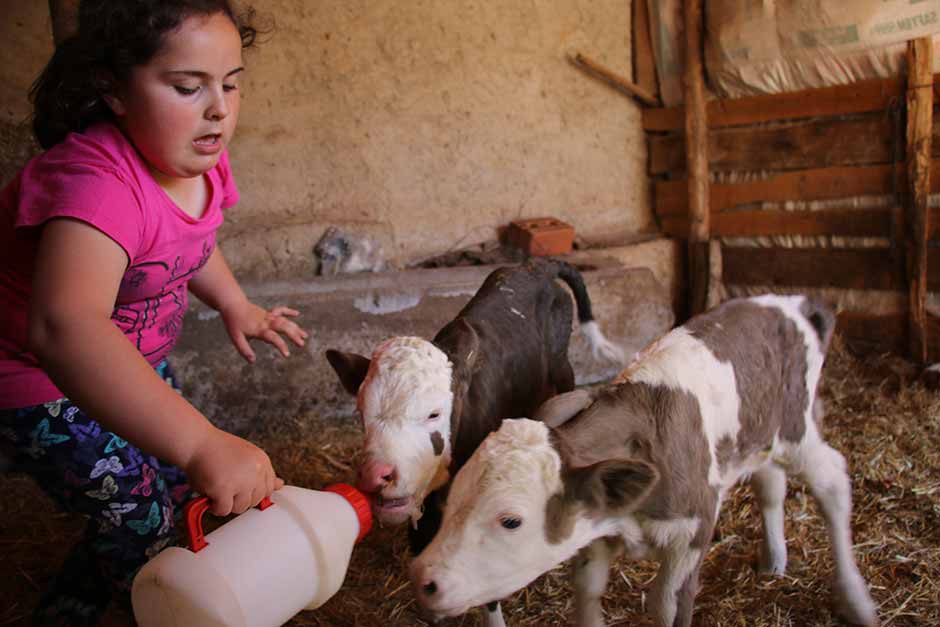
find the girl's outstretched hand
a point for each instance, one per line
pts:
(246, 320)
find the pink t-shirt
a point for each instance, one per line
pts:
(98, 177)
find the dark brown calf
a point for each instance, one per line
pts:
(427, 405)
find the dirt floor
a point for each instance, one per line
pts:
(884, 421)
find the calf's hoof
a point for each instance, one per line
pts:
(855, 605)
(771, 564)
(867, 617)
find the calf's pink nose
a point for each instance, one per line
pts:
(374, 475)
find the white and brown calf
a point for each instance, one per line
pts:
(646, 462)
(427, 405)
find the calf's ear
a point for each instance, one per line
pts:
(617, 485)
(608, 488)
(460, 340)
(350, 367)
(558, 410)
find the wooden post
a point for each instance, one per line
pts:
(615, 80)
(919, 123)
(64, 15)
(696, 145)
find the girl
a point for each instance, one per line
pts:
(100, 237)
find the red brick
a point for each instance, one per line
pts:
(541, 236)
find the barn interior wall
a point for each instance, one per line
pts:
(423, 125)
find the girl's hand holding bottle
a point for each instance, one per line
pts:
(234, 473)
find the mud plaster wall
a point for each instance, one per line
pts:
(423, 124)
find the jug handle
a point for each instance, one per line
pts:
(193, 516)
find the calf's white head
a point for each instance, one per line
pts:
(514, 512)
(405, 399)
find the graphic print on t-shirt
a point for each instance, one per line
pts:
(152, 301)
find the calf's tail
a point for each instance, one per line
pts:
(600, 345)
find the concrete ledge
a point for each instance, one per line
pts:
(356, 312)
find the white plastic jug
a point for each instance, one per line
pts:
(258, 569)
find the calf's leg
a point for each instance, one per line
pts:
(685, 596)
(824, 470)
(676, 584)
(493, 615)
(770, 487)
(591, 573)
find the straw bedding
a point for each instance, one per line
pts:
(879, 416)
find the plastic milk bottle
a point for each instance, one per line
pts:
(258, 569)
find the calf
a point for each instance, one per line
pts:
(646, 462)
(426, 405)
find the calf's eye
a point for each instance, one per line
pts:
(434, 415)
(510, 522)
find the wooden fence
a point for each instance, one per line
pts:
(877, 138)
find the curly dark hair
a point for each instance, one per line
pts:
(113, 37)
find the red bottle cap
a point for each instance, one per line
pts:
(360, 504)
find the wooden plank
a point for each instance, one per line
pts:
(919, 125)
(857, 268)
(614, 80)
(845, 268)
(866, 140)
(762, 223)
(671, 198)
(644, 62)
(696, 146)
(869, 95)
(757, 223)
(865, 334)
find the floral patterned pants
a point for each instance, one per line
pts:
(131, 498)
